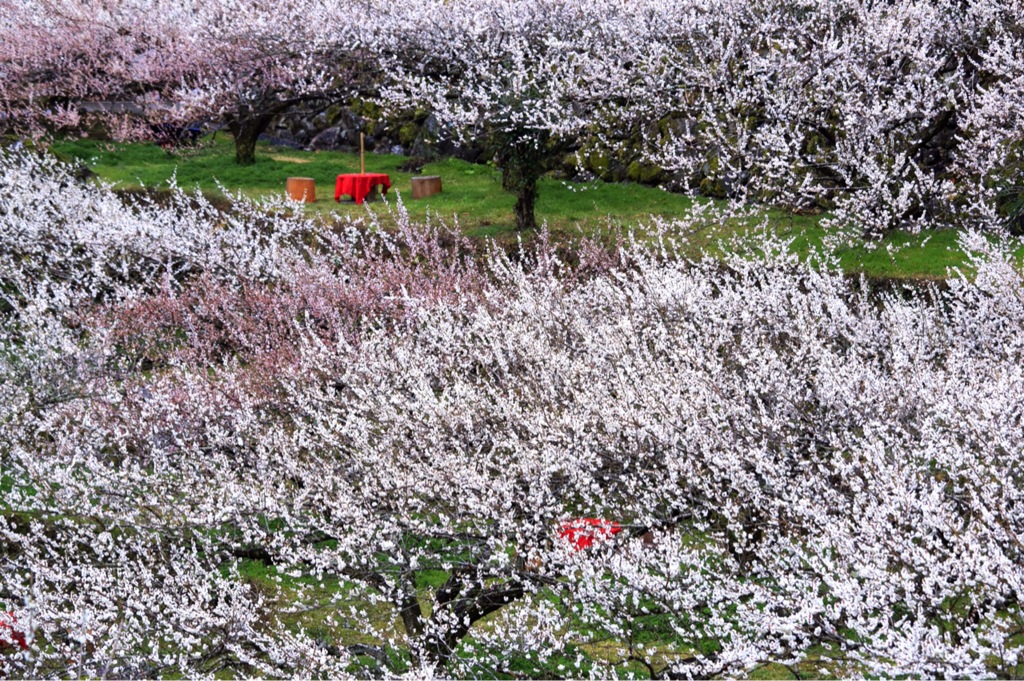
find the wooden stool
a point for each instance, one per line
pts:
(301, 189)
(425, 186)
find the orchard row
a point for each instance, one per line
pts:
(398, 436)
(886, 114)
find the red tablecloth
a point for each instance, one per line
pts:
(358, 185)
(581, 532)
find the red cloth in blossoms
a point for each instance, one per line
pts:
(8, 634)
(358, 185)
(581, 532)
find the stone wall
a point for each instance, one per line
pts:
(337, 128)
(420, 136)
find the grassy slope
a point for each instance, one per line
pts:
(473, 199)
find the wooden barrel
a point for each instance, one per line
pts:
(425, 186)
(301, 189)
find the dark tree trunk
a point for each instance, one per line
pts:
(526, 200)
(522, 159)
(246, 129)
(519, 176)
(465, 609)
(454, 611)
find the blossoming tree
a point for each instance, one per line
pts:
(244, 442)
(892, 115)
(53, 58)
(141, 67)
(264, 58)
(527, 78)
(780, 466)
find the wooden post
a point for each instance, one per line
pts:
(425, 186)
(301, 189)
(362, 156)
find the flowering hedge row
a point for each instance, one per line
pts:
(801, 471)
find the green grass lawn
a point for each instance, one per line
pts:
(473, 200)
(472, 193)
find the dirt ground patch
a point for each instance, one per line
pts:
(289, 159)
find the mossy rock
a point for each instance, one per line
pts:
(644, 173)
(617, 172)
(97, 129)
(671, 127)
(407, 134)
(333, 114)
(713, 188)
(366, 109)
(597, 163)
(825, 203)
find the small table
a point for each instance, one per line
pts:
(358, 185)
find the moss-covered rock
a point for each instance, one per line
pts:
(644, 173)
(366, 109)
(714, 188)
(616, 171)
(711, 183)
(407, 134)
(597, 162)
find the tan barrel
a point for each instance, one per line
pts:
(425, 186)
(301, 189)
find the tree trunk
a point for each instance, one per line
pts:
(463, 610)
(412, 618)
(245, 149)
(246, 130)
(522, 160)
(526, 200)
(519, 176)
